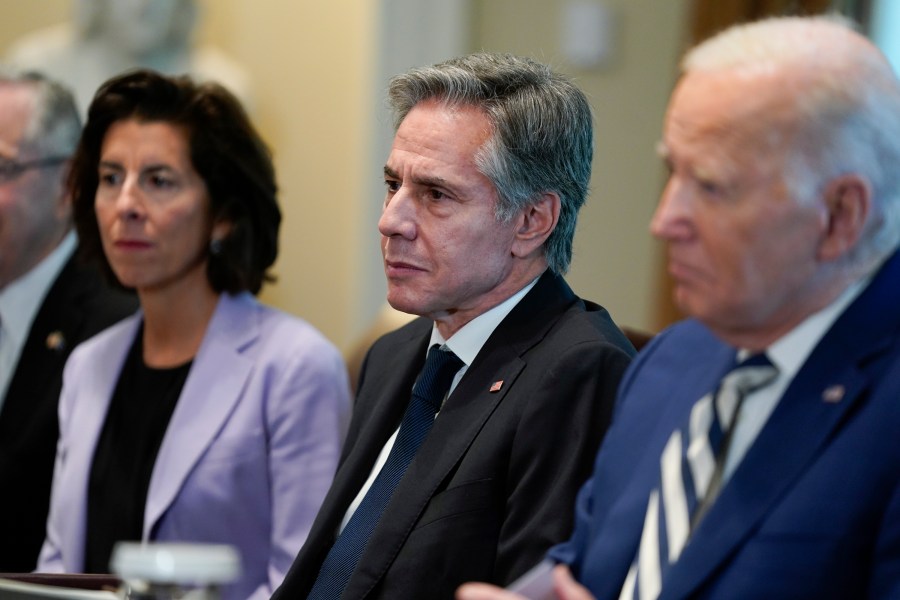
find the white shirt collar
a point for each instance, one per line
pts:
(467, 342)
(21, 299)
(788, 353)
(791, 350)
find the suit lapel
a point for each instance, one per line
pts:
(61, 316)
(462, 417)
(386, 391)
(767, 472)
(378, 409)
(213, 387)
(658, 408)
(384, 396)
(89, 409)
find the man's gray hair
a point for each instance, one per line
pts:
(846, 105)
(55, 125)
(542, 132)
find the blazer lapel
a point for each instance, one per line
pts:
(96, 386)
(383, 397)
(461, 418)
(464, 414)
(61, 314)
(664, 405)
(387, 391)
(830, 382)
(213, 387)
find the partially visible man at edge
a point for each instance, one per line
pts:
(489, 166)
(49, 302)
(782, 221)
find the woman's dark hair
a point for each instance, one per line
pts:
(226, 152)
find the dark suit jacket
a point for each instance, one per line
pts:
(492, 486)
(78, 305)
(813, 509)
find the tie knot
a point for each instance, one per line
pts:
(437, 374)
(746, 377)
(752, 373)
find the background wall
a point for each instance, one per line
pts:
(319, 70)
(616, 261)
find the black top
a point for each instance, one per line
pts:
(136, 422)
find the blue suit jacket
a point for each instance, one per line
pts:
(812, 511)
(248, 454)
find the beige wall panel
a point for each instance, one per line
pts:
(310, 65)
(313, 71)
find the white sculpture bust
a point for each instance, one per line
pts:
(107, 37)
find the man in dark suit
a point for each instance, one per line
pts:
(48, 302)
(489, 167)
(782, 220)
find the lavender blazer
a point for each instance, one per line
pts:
(249, 452)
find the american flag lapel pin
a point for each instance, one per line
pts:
(495, 387)
(56, 341)
(833, 394)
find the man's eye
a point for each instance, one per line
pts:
(436, 194)
(392, 185)
(710, 188)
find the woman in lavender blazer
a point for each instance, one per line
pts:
(205, 417)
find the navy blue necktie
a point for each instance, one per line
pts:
(428, 393)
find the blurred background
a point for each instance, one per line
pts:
(314, 76)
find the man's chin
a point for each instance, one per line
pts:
(403, 304)
(686, 301)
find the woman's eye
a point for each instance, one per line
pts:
(109, 178)
(161, 181)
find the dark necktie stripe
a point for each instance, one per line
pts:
(428, 393)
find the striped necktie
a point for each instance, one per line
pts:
(690, 475)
